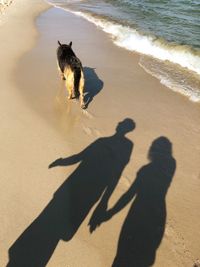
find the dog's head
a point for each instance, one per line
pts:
(65, 45)
(65, 49)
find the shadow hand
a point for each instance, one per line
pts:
(55, 163)
(97, 217)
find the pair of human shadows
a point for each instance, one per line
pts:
(144, 226)
(100, 168)
(93, 85)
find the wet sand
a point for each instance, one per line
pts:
(40, 126)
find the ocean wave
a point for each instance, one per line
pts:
(177, 79)
(133, 40)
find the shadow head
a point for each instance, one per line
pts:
(125, 126)
(160, 148)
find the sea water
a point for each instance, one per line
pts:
(166, 34)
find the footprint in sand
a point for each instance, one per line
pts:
(178, 244)
(87, 114)
(91, 131)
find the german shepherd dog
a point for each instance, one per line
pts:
(71, 71)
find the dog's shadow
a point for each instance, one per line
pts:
(93, 85)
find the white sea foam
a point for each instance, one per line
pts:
(133, 40)
(179, 80)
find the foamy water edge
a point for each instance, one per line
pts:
(132, 40)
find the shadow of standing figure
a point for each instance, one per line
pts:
(144, 225)
(93, 85)
(100, 168)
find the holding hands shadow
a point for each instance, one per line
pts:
(144, 225)
(98, 216)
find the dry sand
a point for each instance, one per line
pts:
(39, 125)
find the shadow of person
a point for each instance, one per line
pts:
(93, 84)
(144, 225)
(100, 168)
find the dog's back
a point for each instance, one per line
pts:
(71, 70)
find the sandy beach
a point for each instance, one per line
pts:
(63, 168)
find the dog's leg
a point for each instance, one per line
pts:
(62, 75)
(69, 76)
(81, 90)
(70, 86)
(60, 72)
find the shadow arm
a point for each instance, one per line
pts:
(67, 161)
(125, 198)
(107, 193)
(100, 210)
(122, 202)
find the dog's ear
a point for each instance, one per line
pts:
(70, 44)
(59, 43)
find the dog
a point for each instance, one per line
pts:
(71, 71)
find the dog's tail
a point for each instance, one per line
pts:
(59, 43)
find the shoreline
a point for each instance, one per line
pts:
(170, 66)
(51, 128)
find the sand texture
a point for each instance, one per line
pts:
(117, 184)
